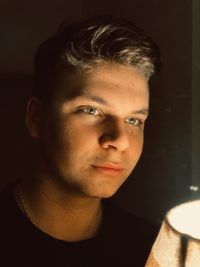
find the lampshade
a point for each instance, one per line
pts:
(178, 242)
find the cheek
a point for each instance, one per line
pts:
(137, 145)
(76, 138)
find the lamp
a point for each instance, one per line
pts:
(178, 242)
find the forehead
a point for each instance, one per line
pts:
(115, 78)
(109, 80)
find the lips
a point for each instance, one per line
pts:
(109, 168)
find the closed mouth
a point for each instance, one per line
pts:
(108, 168)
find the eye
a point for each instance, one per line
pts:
(133, 121)
(90, 110)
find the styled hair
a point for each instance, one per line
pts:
(80, 45)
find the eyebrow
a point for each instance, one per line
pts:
(100, 100)
(96, 99)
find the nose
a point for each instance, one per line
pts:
(115, 136)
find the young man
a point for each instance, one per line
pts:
(87, 116)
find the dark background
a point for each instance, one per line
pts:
(169, 165)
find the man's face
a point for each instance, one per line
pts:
(93, 137)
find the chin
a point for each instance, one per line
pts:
(105, 192)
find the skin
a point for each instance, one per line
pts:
(83, 138)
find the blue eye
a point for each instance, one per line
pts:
(90, 111)
(133, 121)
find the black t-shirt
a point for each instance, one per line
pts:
(123, 240)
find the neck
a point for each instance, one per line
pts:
(63, 215)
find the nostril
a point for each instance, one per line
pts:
(119, 141)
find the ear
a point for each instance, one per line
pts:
(34, 113)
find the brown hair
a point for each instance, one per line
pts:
(82, 44)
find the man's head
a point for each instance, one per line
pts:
(82, 45)
(91, 102)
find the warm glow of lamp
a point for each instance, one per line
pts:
(178, 242)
